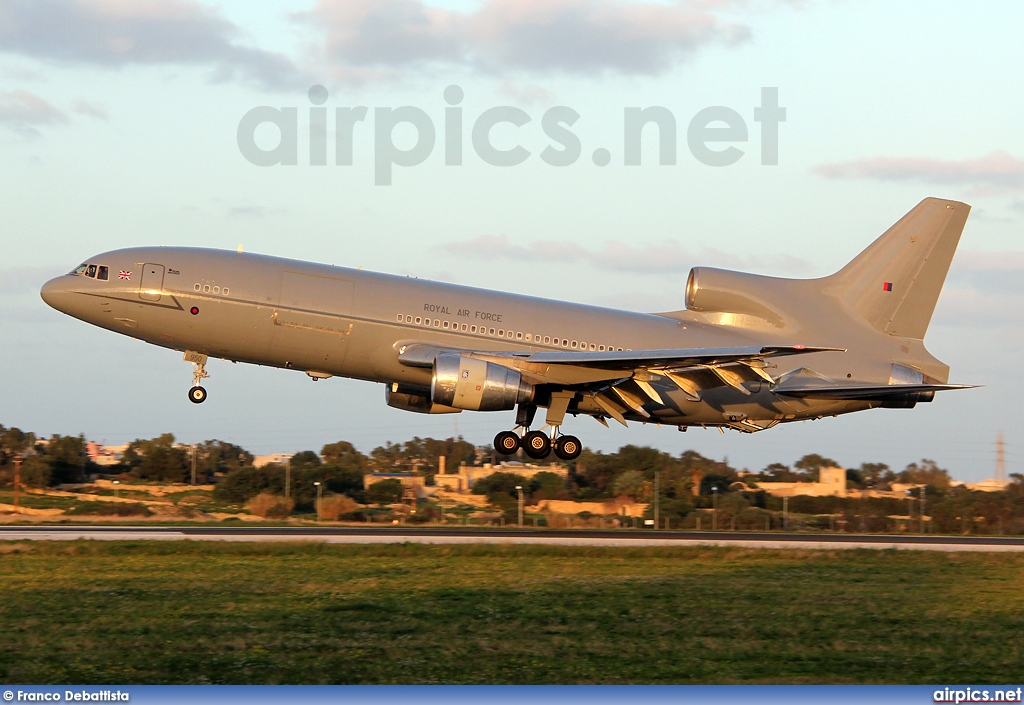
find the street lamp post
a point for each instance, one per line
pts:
(319, 496)
(714, 508)
(288, 479)
(116, 483)
(519, 489)
(785, 513)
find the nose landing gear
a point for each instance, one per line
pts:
(197, 394)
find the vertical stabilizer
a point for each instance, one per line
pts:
(895, 282)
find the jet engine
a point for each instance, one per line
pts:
(723, 291)
(476, 385)
(418, 403)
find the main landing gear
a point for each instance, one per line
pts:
(537, 444)
(197, 394)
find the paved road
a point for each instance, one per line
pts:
(557, 537)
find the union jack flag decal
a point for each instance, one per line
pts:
(125, 274)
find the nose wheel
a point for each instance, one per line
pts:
(197, 394)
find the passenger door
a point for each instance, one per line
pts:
(152, 282)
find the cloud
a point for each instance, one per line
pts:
(116, 33)
(89, 109)
(382, 37)
(20, 280)
(255, 211)
(983, 289)
(995, 172)
(25, 113)
(666, 257)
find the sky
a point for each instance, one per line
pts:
(122, 124)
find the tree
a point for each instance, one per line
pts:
(157, 459)
(304, 459)
(778, 472)
(547, 485)
(344, 455)
(220, 457)
(384, 492)
(809, 465)
(927, 472)
(242, 485)
(631, 484)
(67, 458)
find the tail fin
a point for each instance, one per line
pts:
(895, 282)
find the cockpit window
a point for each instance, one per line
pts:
(79, 270)
(91, 271)
(102, 273)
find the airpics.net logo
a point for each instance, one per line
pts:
(712, 134)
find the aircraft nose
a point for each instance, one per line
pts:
(56, 293)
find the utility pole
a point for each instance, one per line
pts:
(519, 489)
(785, 513)
(17, 477)
(922, 509)
(193, 463)
(288, 479)
(319, 497)
(1000, 457)
(656, 497)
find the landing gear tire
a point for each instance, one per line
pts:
(567, 447)
(197, 395)
(537, 445)
(506, 443)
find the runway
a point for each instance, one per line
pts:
(550, 537)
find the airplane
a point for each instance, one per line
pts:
(747, 353)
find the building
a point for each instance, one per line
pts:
(273, 459)
(105, 455)
(468, 475)
(831, 483)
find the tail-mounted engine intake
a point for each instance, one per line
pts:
(476, 385)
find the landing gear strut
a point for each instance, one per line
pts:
(197, 394)
(538, 444)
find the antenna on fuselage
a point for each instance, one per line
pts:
(240, 248)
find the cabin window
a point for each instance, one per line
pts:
(593, 347)
(583, 346)
(472, 329)
(519, 336)
(197, 286)
(91, 271)
(490, 332)
(464, 327)
(206, 288)
(446, 324)
(600, 348)
(547, 340)
(400, 318)
(529, 337)
(572, 344)
(225, 291)
(418, 320)
(501, 333)
(565, 343)
(216, 289)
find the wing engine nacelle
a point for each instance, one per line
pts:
(418, 403)
(477, 385)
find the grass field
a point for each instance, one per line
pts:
(180, 612)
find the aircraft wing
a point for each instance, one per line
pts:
(670, 358)
(620, 381)
(862, 392)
